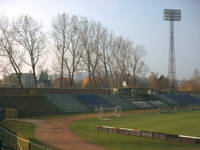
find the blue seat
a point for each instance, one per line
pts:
(93, 100)
(184, 99)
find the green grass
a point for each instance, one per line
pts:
(187, 123)
(23, 129)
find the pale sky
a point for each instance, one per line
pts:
(138, 20)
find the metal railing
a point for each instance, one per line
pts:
(10, 141)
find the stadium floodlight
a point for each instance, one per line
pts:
(172, 15)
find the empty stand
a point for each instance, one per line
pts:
(51, 104)
(167, 100)
(29, 105)
(184, 99)
(196, 96)
(145, 101)
(136, 98)
(67, 103)
(149, 97)
(93, 101)
(142, 104)
(157, 103)
(117, 101)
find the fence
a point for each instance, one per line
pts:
(10, 141)
(148, 134)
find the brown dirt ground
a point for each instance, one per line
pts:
(56, 132)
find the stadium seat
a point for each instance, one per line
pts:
(157, 103)
(92, 100)
(67, 103)
(29, 105)
(184, 99)
(142, 104)
(117, 101)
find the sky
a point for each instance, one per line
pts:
(138, 20)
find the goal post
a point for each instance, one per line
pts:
(106, 113)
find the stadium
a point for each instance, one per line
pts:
(99, 75)
(127, 118)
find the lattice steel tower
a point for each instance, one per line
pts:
(172, 15)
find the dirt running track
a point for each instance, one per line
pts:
(56, 132)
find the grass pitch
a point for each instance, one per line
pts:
(22, 129)
(185, 123)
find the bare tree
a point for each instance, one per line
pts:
(153, 80)
(9, 49)
(105, 44)
(137, 64)
(28, 34)
(95, 49)
(112, 61)
(82, 44)
(61, 41)
(126, 60)
(89, 38)
(75, 52)
(121, 52)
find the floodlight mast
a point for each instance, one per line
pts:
(172, 15)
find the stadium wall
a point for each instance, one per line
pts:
(149, 134)
(40, 91)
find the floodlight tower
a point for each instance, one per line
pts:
(172, 15)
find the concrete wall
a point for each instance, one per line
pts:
(149, 134)
(40, 91)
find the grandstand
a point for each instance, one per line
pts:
(157, 103)
(196, 96)
(154, 100)
(167, 100)
(183, 99)
(117, 101)
(142, 99)
(142, 104)
(74, 101)
(92, 101)
(149, 97)
(29, 105)
(67, 103)
(132, 98)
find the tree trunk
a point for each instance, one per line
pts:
(61, 72)
(34, 76)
